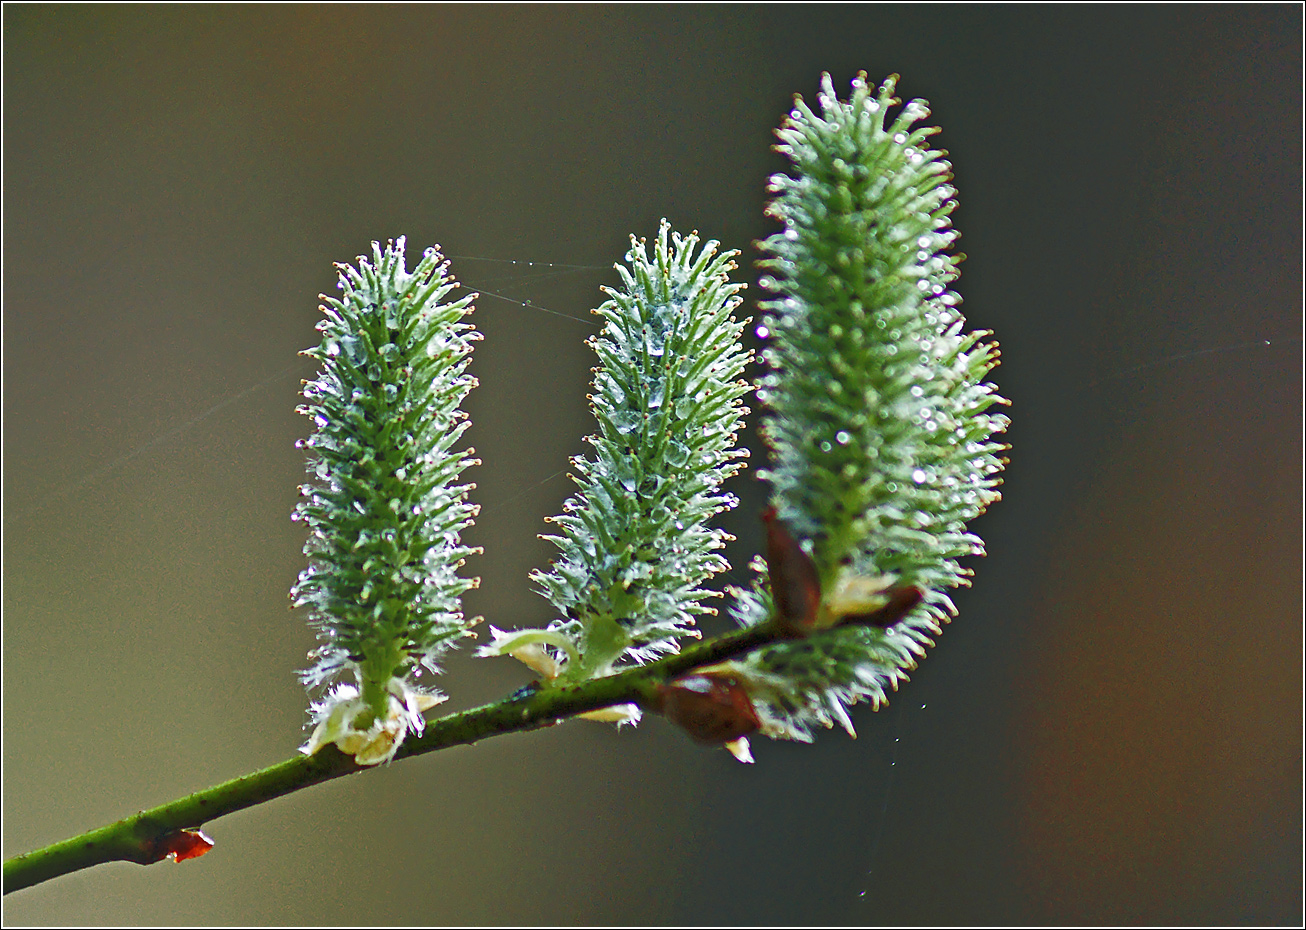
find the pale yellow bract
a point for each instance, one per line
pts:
(379, 741)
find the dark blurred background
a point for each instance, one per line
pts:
(1111, 732)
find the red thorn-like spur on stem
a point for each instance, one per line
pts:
(181, 845)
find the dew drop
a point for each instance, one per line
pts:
(626, 421)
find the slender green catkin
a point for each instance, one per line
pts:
(879, 418)
(385, 511)
(635, 544)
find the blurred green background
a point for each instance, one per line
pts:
(1110, 733)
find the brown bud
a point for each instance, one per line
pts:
(712, 707)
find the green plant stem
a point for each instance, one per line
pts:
(141, 837)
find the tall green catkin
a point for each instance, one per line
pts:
(385, 510)
(635, 542)
(878, 415)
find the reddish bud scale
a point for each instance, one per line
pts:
(713, 708)
(795, 582)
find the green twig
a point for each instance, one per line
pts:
(142, 838)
